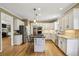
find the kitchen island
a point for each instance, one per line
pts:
(39, 43)
(17, 39)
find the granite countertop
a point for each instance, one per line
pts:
(68, 36)
(17, 33)
(38, 36)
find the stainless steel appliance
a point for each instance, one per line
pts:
(23, 31)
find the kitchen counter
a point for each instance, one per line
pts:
(68, 36)
(17, 34)
(38, 36)
(39, 43)
(17, 39)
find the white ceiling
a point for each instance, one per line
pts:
(48, 11)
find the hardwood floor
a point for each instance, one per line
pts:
(27, 50)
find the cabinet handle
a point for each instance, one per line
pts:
(61, 42)
(67, 26)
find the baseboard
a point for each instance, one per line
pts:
(58, 48)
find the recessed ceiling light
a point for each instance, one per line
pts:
(54, 16)
(61, 8)
(34, 21)
(39, 8)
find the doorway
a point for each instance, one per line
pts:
(6, 22)
(6, 36)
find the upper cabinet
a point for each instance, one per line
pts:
(68, 17)
(56, 27)
(6, 19)
(76, 18)
(70, 20)
(17, 23)
(60, 24)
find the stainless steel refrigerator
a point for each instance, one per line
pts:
(23, 31)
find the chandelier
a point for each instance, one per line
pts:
(36, 14)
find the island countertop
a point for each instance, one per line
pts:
(38, 36)
(39, 43)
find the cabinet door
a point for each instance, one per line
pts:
(72, 47)
(70, 20)
(60, 24)
(76, 18)
(59, 42)
(63, 24)
(64, 45)
(56, 25)
(67, 21)
(16, 24)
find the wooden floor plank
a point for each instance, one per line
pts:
(27, 49)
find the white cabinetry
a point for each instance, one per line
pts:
(69, 46)
(39, 44)
(68, 17)
(17, 39)
(56, 25)
(76, 18)
(70, 20)
(17, 23)
(73, 47)
(6, 19)
(62, 43)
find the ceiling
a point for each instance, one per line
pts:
(48, 11)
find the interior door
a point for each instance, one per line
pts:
(0, 35)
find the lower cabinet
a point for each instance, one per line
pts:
(73, 47)
(17, 39)
(69, 46)
(62, 43)
(39, 44)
